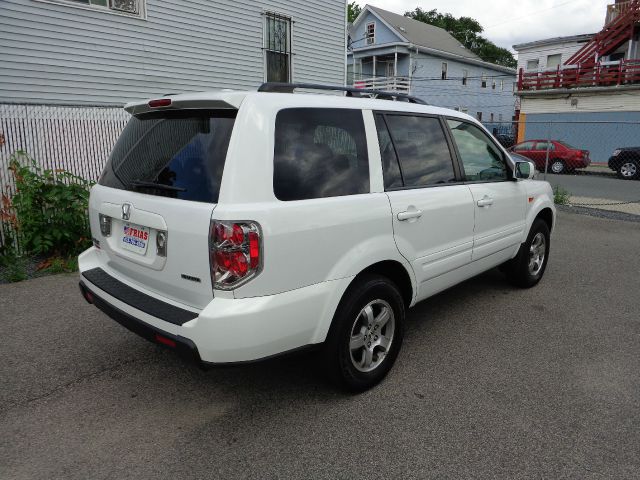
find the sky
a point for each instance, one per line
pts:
(509, 22)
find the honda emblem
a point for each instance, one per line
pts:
(126, 211)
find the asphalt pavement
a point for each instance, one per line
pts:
(492, 382)
(595, 186)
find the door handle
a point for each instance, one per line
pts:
(409, 215)
(485, 201)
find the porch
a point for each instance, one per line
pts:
(389, 72)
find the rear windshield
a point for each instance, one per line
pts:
(173, 154)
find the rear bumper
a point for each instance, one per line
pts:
(228, 330)
(184, 347)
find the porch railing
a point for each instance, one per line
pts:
(389, 84)
(617, 9)
(624, 72)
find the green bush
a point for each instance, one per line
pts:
(50, 209)
(12, 268)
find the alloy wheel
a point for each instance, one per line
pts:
(372, 335)
(537, 254)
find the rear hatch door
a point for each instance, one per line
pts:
(152, 207)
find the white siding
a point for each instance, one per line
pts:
(55, 53)
(542, 52)
(629, 101)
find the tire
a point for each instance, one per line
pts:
(523, 271)
(629, 170)
(557, 166)
(355, 352)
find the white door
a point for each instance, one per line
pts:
(499, 202)
(433, 212)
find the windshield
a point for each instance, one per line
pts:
(177, 154)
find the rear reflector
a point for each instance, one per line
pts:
(165, 341)
(160, 102)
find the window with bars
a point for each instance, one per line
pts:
(130, 7)
(277, 48)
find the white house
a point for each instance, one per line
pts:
(391, 52)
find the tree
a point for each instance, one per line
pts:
(353, 10)
(467, 31)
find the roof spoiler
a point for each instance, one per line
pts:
(276, 87)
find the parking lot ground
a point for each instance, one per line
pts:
(493, 382)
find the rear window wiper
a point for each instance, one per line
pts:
(159, 186)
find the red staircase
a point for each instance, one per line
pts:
(612, 36)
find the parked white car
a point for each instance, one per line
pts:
(233, 227)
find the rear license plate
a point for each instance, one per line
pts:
(135, 238)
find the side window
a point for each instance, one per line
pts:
(544, 146)
(524, 146)
(481, 158)
(422, 151)
(390, 167)
(320, 153)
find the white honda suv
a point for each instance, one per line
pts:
(237, 226)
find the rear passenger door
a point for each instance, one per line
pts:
(499, 202)
(432, 209)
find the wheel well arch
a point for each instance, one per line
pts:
(546, 215)
(394, 271)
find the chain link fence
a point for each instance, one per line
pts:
(591, 164)
(77, 139)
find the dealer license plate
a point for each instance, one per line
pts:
(135, 238)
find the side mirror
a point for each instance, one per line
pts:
(524, 170)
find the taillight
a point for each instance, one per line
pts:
(235, 253)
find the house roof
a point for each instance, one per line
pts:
(585, 37)
(423, 34)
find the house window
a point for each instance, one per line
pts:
(533, 65)
(444, 70)
(502, 85)
(492, 118)
(277, 47)
(500, 117)
(128, 7)
(553, 61)
(483, 80)
(465, 76)
(370, 33)
(493, 84)
(479, 115)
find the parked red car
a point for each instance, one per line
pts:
(562, 157)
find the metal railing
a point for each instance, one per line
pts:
(624, 72)
(388, 84)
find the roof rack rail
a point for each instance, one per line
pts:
(277, 87)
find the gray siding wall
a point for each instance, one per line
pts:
(56, 53)
(452, 94)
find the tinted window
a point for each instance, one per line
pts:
(422, 150)
(183, 150)
(320, 153)
(481, 158)
(390, 167)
